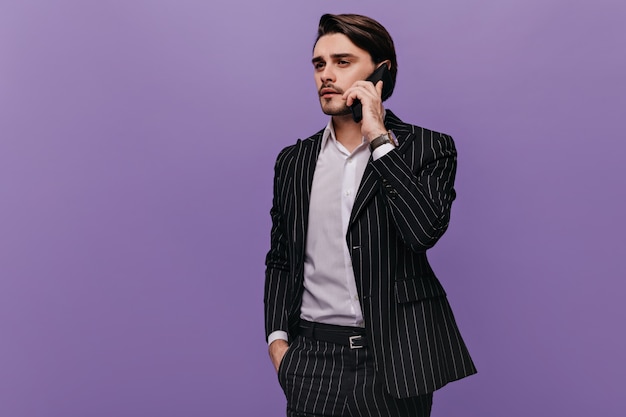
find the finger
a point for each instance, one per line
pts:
(360, 92)
(379, 88)
(347, 98)
(366, 85)
(351, 95)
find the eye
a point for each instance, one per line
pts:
(343, 62)
(318, 65)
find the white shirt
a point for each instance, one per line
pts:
(330, 294)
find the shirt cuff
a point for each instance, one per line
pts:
(382, 150)
(277, 335)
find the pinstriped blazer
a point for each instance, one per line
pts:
(401, 209)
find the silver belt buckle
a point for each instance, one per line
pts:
(354, 342)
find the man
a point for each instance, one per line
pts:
(357, 322)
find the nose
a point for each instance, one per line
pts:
(327, 74)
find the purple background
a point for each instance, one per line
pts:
(136, 156)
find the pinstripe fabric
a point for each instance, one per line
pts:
(324, 379)
(401, 209)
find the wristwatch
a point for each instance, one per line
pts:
(387, 137)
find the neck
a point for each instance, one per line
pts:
(347, 132)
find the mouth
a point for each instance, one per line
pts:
(328, 92)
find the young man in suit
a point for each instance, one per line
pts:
(357, 322)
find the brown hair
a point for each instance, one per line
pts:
(364, 32)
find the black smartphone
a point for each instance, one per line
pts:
(381, 73)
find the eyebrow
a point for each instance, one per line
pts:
(333, 56)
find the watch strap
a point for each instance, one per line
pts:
(386, 137)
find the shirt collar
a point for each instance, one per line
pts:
(329, 131)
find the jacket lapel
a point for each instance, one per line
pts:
(305, 165)
(369, 184)
(367, 189)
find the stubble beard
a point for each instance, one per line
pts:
(331, 109)
(333, 106)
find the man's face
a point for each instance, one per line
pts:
(338, 63)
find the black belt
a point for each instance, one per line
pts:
(354, 337)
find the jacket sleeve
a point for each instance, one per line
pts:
(417, 180)
(277, 260)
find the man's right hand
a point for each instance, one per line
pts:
(277, 350)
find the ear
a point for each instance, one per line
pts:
(388, 63)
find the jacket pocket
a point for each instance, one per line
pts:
(418, 288)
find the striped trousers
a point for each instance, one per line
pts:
(325, 379)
